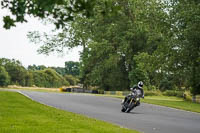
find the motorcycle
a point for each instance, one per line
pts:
(131, 101)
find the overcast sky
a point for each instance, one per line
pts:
(14, 44)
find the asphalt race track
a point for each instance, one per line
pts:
(145, 118)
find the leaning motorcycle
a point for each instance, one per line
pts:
(132, 101)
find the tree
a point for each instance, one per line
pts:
(4, 77)
(15, 70)
(34, 67)
(115, 38)
(72, 68)
(29, 79)
(12, 72)
(60, 70)
(186, 39)
(62, 11)
(100, 69)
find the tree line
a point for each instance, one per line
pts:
(13, 73)
(124, 41)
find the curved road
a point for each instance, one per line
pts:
(147, 118)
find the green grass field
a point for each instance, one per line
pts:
(173, 102)
(19, 114)
(32, 89)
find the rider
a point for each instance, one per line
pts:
(139, 86)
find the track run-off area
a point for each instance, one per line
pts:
(146, 118)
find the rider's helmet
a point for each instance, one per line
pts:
(140, 84)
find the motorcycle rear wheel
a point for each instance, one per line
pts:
(123, 109)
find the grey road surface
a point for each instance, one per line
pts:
(145, 118)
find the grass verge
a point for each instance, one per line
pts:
(19, 114)
(32, 89)
(173, 102)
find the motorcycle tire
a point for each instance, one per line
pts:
(123, 109)
(129, 110)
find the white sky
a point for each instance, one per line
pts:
(14, 44)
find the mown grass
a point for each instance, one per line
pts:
(173, 102)
(19, 114)
(32, 89)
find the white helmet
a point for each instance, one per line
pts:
(140, 84)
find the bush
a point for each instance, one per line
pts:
(4, 77)
(71, 79)
(187, 96)
(101, 91)
(149, 88)
(173, 93)
(152, 93)
(48, 78)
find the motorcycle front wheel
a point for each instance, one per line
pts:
(130, 108)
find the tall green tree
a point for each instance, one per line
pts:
(15, 70)
(72, 68)
(187, 40)
(29, 79)
(124, 28)
(4, 77)
(117, 37)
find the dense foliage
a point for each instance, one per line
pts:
(72, 68)
(13, 73)
(124, 41)
(4, 77)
